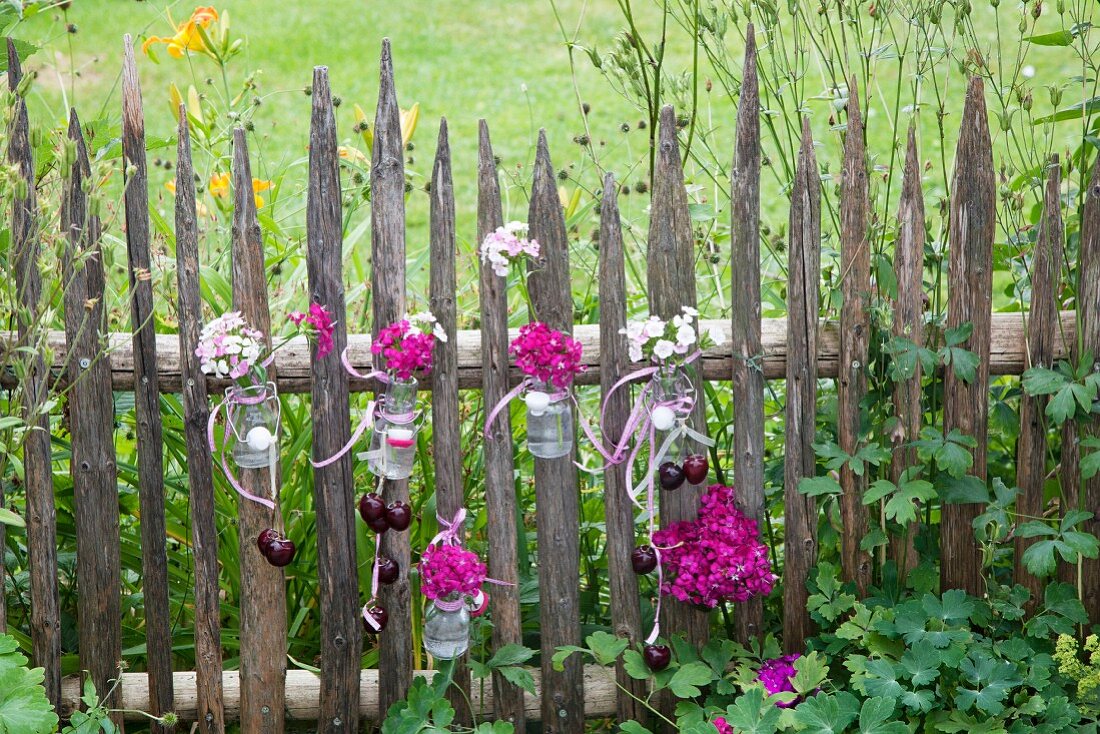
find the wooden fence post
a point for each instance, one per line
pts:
(150, 435)
(1088, 299)
(263, 593)
(748, 371)
(1042, 322)
(556, 494)
(500, 483)
(333, 485)
(387, 206)
(37, 455)
(970, 292)
(200, 477)
(804, 275)
(626, 619)
(855, 333)
(908, 324)
(670, 272)
(446, 439)
(92, 425)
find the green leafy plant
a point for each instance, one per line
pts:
(24, 708)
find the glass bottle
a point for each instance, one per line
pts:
(393, 442)
(254, 418)
(447, 628)
(549, 421)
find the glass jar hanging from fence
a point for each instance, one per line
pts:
(680, 457)
(254, 413)
(393, 443)
(447, 628)
(549, 421)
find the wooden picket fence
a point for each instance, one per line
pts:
(799, 349)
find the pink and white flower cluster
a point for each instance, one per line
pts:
(716, 558)
(776, 676)
(406, 347)
(547, 355)
(318, 325)
(230, 349)
(450, 569)
(507, 245)
(668, 341)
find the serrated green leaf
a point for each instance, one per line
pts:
(753, 713)
(685, 682)
(826, 714)
(873, 717)
(519, 676)
(819, 486)
(606, 647)
(635, 666)
(510, 654)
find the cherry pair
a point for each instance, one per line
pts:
(693, 470)
(379, 517)
(278, 550)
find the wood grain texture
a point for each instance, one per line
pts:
(500, 483)
(970, 290)
(1031, 449)
(303, 695)
(747, 372)
(1088, 298)
(446, 439)
(37, 455)
(93, 467)
(263, 594)
(150, 434)
(626, 621)
(330, 413)
(1008, 354)
(855, 332)
(908, 324)
(209, 713)
(803, 288)
(670, 274)
(557, 497)
(387, 206)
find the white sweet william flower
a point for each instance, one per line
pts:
(654, 327)
(635, 353)
(685, 335)
(717, 336)
(689, 312)
(439, 332)
(664, 349)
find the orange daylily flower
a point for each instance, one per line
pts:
(187, 36)
(219, 187)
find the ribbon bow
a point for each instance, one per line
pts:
(236, 399)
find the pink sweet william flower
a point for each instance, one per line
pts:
(776, 676)
(547, 355)
(717, 557)
(406, 347)
(318, 325)
(450, 569)
(229, 349)
(721, 725)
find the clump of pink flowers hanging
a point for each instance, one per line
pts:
(718, 557)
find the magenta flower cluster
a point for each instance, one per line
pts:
(404, 349)
(318, 325)
(718, 557)
(450, 569)
(722, 725)
(547, 355)
(776, 676)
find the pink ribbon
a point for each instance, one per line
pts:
(370, 620)
(234, 399)
(368, 416)
(503, 403)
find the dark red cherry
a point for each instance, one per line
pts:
(671, 475)
(378, 613)
(280, 552)
(643, 559)
(399, 516)
(265, 538)
(696, 468)
(371, 507)
(379, 526)
(388, 570)
(657, 657)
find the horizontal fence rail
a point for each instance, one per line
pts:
(1008, 354)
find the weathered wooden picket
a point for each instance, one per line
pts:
(799, 349)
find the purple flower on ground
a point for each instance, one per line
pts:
(776, 676)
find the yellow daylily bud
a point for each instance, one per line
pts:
(363, 124)
(175, 98)
(194, 105)
(569, 202)
(409, 119)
